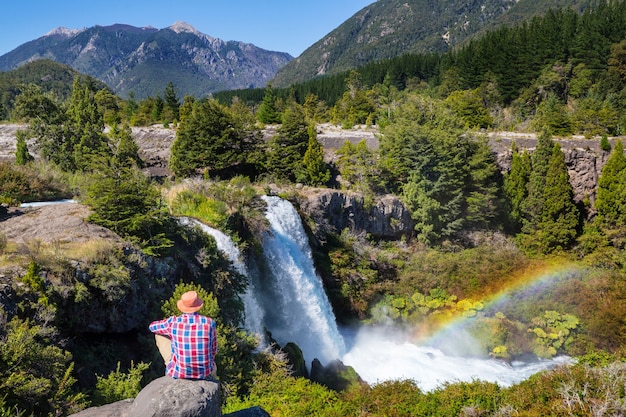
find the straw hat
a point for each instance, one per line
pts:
(189, 302)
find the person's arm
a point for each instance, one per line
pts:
(161, 327)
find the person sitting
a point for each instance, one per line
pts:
(188, 343)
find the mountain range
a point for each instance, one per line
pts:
(389, 28)
(143, 60)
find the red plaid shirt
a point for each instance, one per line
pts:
(194, 345)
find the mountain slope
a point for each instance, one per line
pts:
(144, 60)
(389, 28)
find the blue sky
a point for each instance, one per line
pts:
(278, 25)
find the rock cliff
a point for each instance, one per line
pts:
(332, 211)
(583, 157)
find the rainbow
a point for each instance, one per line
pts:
(537, 278)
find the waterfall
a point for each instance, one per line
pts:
(291, 303)
(297, 308)
(253, 312)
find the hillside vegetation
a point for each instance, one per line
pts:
(479, 234)
(389, 29)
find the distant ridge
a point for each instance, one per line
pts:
(142, 60)
(390, 28)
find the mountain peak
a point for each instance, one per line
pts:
(179, 27)
(63, 31)
(142, 60)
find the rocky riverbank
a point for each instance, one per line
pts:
(583, 157)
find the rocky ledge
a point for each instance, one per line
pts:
(168, 397)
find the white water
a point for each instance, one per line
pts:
(299, 310)
(47, 203)
(253, 312)
(379, 357)
(292, 305)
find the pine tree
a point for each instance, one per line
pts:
(611, 198)
(171, 102)
(358, 166)
(22, 156)
(560, 216)
(515, 185)
(211, 139)
(288, 146)
(532, 206)
(484, 201)
(125, 147)
(267, 112)
(85, 139)
(124, 200)
(314, 170)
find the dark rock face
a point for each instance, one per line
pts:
(333, 210)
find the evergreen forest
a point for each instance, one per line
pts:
(479, 230)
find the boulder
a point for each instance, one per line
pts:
(335, 375)
(169, 397)
(117, 409)
(166, 397)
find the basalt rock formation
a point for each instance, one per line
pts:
(333, 210)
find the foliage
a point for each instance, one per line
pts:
(85, 139)
(428, 160)
(359, 168)
(282, 395)
(36, 374)
(212, 140)
(32, 182)
(553, 333)
(211, 211)
(314, 170)
(119, 385)
(22, 156)
(267, 112)
(126, 150)
(469, 106)
(124, 200)
(355, 106)
(209, 307)
(550, 219)
(515, 188)
(287, 148)
(217, 203)
(559, 221)
(611, 188)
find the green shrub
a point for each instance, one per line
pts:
(210, 307)
(119, 385)
(36, 375)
